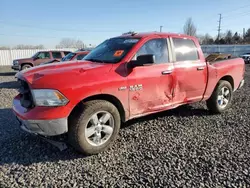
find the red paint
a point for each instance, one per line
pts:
(82, 79)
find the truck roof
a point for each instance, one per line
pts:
(54, 51)
(148, 34)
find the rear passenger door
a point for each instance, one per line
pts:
(190, 71)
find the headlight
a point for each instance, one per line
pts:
(48, 97)
(15, 62)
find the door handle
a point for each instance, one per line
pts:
(200, 68)
(166, 72)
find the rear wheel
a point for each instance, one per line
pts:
(26, 66)
(221, 97)
(94, 127)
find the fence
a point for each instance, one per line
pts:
(7, 56)
(235, 50)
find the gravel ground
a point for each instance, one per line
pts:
(185, 147)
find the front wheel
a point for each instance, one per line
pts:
(221, 97)
(95, 127)
(26, 66)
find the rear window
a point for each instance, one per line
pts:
(185, 49)
(57, 55)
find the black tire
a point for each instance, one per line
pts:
(213, 103)
(26, 66)
(79, 122)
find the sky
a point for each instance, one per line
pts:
(46, 22)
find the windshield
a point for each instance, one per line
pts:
(68, 57)
(111, 50)
(35, 55)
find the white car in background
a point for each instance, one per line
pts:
(246, 57)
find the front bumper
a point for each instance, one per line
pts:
(15, 67)
(44, 127)
(41, 120)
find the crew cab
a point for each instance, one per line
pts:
(37, 59)
(124, 77)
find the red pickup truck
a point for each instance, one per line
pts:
(124, 77)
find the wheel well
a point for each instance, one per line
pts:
(112, 99)
(229, 79)
(27, 64)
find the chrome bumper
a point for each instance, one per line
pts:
(45, 127)
(15, 67)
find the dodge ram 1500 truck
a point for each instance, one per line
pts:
(124, 77)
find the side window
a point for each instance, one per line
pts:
(43, 55)
(185, 49)
(80, 57)
(57, 55)
(66, 53)
(157, 47)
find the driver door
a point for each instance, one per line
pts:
(151, 87)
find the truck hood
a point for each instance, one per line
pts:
(24, 60)
(51, 74)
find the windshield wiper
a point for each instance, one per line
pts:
(96, 60)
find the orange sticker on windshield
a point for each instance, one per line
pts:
(118, 53)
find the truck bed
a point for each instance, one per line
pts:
(217, 57)
(229, 68)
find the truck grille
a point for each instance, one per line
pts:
(26, 97)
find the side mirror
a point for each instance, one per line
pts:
(35, 58)
(143, 60)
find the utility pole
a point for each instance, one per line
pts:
(244, 33)
(161, 28)
(219, 27)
